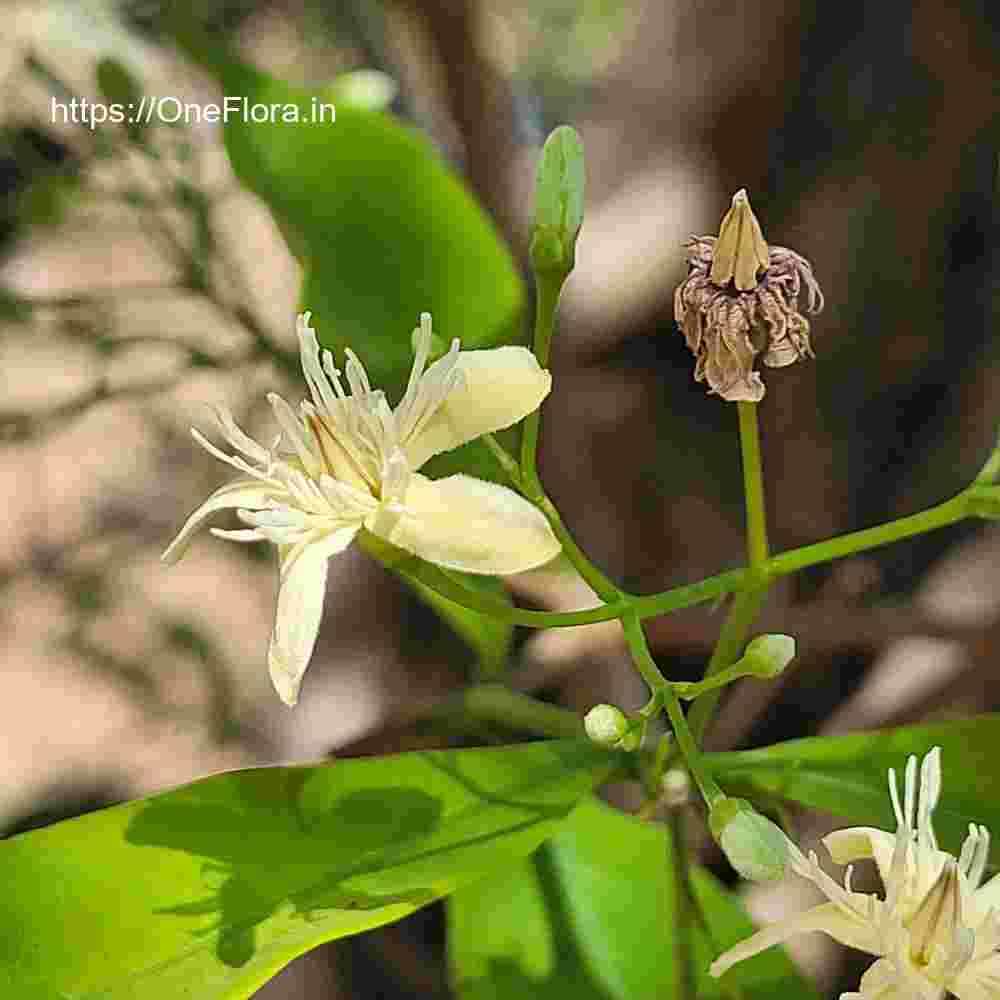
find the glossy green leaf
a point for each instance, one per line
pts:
(207, 891)
(592, 917)
(490, 639)
(383, 227)
(848, 775)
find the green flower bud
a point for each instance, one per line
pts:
(675, 786)
(755, 847)
(559, 190)
(606, 725)
(768, 655)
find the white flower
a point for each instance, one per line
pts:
(937, 930)
(347, 460)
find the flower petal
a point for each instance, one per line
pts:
(499, 387)
(300, 607)
(988, 894)
(471, 525)
(978, 980)
(828, 918)
(861, 842)
(248, 493)
(880, 982)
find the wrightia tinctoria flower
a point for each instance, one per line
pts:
(740, 300)
(346, 461)
(936, 931)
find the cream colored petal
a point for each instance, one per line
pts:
(499, 387)
(828, 918)
(880, 983)
(471, 525)
(246, 493)
(300, 607)
(860, 842)
(988, 895)
(978, 980)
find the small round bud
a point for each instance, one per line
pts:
(606, 725)
(755, 847)
(676, 785)
(768, 655)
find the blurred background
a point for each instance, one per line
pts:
(140, 283)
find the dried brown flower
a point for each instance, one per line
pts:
(741, 299)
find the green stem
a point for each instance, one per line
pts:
(991, 470)
(687, 595)
(949, 512)
(496, 704)
(506, 461)
(746, 607)
(411, 567)
(753, 485)
(646, 665)
(728, 649)
(548, 287)
(599, 583)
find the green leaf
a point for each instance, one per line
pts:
(116, 83)
(848, 775)
(383, 227)
(207, 891)
(592, 917)
(490, 639)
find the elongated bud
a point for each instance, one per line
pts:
(755, 846)
(559, 191)
(740, 252)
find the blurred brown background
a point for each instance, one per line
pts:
(131, 296)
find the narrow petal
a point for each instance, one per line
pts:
(471, 525)
(499, 387)
(240, 535)
(860, 842)
(246, 493)
(827, 918)
(300, 607)
(880, 982)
